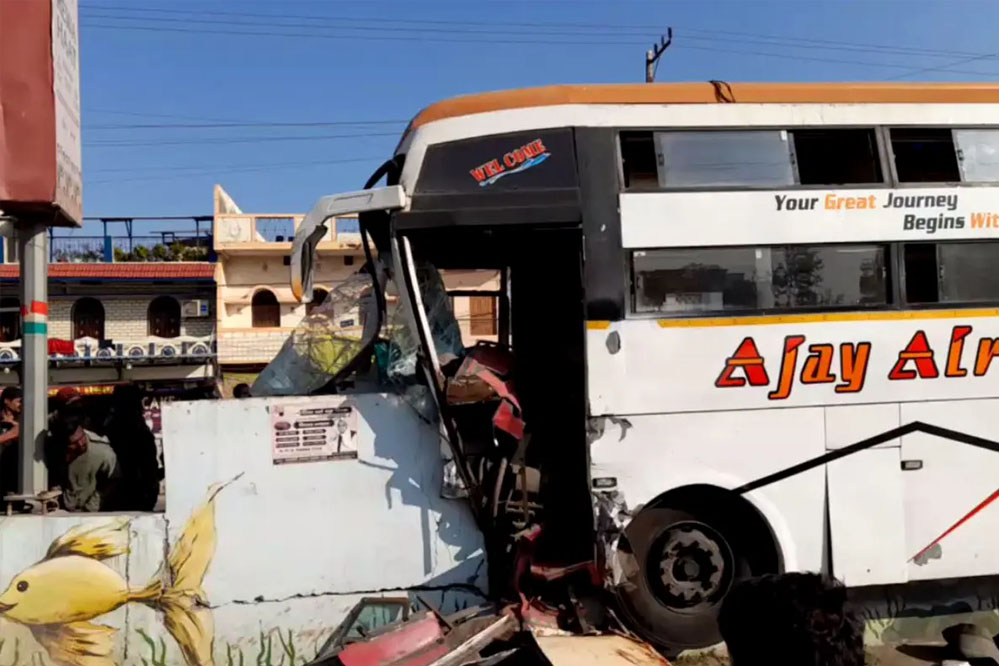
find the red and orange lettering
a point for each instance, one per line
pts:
(957, 337)
(988, 349)
(919, 352)
(853, 366)
(478, 173)
(747, 357)
(787, 366)
(493, 167)
(818, 365)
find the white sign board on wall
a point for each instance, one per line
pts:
(323, 429)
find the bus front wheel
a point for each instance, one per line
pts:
(687, 561)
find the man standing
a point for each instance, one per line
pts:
(92, 474)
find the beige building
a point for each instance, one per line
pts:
(256, 311)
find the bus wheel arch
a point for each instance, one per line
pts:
(686, 548)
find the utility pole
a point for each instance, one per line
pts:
(652, 55)
(33, 239)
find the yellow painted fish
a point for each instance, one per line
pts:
(58, 597)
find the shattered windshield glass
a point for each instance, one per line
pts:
(326, 341)
(330, 338)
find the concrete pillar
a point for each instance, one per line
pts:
(34, 257)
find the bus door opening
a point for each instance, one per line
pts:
(515, 400)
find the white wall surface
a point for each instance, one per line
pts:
(337, 527)
(297, 545)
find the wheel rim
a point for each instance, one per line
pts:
(690, 566)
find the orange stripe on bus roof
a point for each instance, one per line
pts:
(707, 93)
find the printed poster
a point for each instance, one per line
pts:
(313, 431)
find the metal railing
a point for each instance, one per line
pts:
(248, 228)
(166, 246)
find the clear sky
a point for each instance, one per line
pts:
(293, 75)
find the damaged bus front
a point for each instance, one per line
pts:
(510, 408)
(538, 208)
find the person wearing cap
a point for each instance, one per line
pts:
(90, 472)
(67, 407)
(67, 395)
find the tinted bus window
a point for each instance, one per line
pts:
(951, 272)
(759, 278)
(978, 152)
(924, 155)
(837, 156)
(703, 159)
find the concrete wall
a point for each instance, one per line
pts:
(289, 548)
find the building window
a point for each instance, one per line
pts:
(88, 319)
(754, 279)
(10, 319)
(266, 311)
(482, 315)
(164, 317)
(319, 297)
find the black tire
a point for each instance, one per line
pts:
(673, 597)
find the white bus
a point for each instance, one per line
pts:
(753, 328)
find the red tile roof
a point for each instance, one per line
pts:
(155, 270)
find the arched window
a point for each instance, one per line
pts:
(319, 297)
(10, 319)
(265, 309)
(88, 319)
(164, 317)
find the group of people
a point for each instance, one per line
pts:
(104, 466)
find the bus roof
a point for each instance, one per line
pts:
(710, 92)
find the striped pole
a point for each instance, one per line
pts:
(36, 318)
(33, 237)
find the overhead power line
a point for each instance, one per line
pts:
(334, 123)
(224, 172)
(309, 35)
(124, 143)
(550, 42)
(548, 27)
(841, 61)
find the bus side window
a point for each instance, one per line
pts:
(681, 281)
(924, 155)
(638, 161)
(724, 158)
(837, 156)
(921, 273)
(952, 272)
(978, 153)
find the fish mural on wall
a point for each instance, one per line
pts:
(57, 598)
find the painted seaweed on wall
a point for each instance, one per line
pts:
(59, 598)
